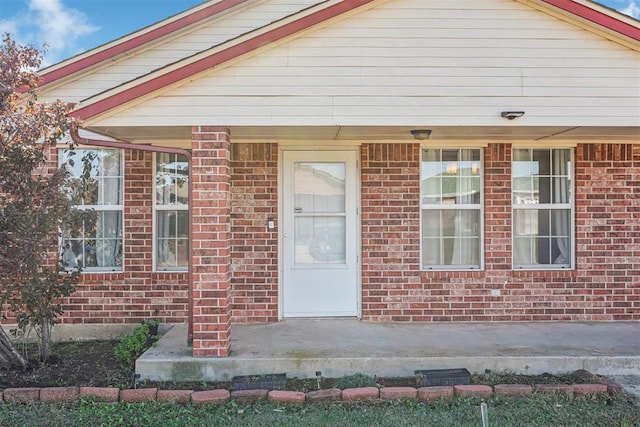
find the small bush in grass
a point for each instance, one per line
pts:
(356, 380)
(131, 346)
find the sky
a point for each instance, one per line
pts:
(69, 27)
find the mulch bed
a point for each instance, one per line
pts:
(93, 364)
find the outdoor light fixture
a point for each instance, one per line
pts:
(421, 134)
(510, 115)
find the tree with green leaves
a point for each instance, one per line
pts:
(34, 203)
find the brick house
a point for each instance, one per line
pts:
(399, 160)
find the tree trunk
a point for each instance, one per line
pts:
(9, 356)
(46, 339)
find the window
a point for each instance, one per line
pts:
(172, 212)
(542, 208)
(451, 201)
(95, 184)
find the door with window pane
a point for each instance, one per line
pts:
(319, 234)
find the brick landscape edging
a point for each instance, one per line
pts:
(222, 396)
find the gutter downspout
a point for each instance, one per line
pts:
(75, 136)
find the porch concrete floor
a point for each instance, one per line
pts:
(339, 347)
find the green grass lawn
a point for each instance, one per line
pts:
(536, 410)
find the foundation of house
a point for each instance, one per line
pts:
(334, 348)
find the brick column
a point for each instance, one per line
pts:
(210, 236)
(497, 212)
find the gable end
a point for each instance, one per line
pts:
(129, 44)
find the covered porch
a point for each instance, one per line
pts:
(238, 222)
(302, 348)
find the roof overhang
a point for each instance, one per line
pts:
(181, 136)
(580, 12)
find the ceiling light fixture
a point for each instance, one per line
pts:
(510, 115)
(421, 134)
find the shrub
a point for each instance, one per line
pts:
(130, 347)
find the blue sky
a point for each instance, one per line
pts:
(69, 27)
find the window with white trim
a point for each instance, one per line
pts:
(451, 208)
(171, 212)
(96, 183)
(542, 193)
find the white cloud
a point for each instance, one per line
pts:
(52, 23)
(8, 26)
(632, 9)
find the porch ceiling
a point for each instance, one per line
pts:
(174, 135)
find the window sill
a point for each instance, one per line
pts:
(100, 270)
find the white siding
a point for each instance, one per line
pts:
(169, 51)
(411, 62)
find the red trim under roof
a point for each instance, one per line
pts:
(597, 17)
(140, 40)
(293, 27)
(218, 58)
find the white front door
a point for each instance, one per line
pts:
(320, 234)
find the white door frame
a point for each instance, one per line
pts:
(281, 244)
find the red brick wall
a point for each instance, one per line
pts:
(604, 286)
(390, 192)
(254, 248)
(608, 229)
(136, 292)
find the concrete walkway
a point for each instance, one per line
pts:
(300, 348)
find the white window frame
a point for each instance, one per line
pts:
(458, 207)
(103, 208)
(165, 208)
(570, 206)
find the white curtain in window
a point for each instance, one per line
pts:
(165, 255)
(465, 245)
(108, 246)
(561, 224)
